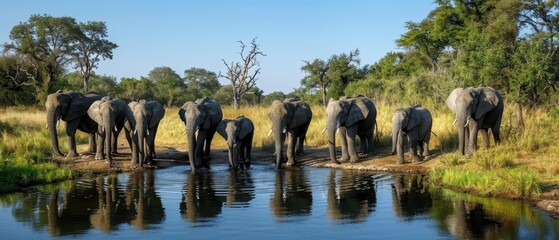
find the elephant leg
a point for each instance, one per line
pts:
(413, 150)
(114, 141)
(362, 144)
(426, 148)
(291, 140)
(343, 142)
(350, 139)
(100, 150)
(149, 149)
(473, 139)
(71, 134)
(485, 136)
(92, 143)
(496, 135)
(208, 142)
(248, 150)
(421, 150)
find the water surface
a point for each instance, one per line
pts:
(262, 202)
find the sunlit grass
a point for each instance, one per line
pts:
(25, 150)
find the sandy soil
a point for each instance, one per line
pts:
(176, 154)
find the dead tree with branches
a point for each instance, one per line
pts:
(241, 74)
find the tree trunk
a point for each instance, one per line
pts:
(86, 84)
(324, 96)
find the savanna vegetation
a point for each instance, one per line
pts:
(510, 45)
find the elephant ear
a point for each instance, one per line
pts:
(157, 113)
(77, 107)
(357, 112)
(94, 111)
(246, 127)
(487, 101)
(301, 115)
(414, 118)
(129, 114)
(451, 100)
(182, 110)
(221, 128)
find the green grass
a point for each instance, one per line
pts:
(25, 152)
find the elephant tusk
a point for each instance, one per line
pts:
(270, 133)
(147, 131)
(134, 131)
(454, 122)
(467, 122)
(337, 130)
(47, 126)
(324, 130)
(58, 123)
(116, 130)
(284, 130)
(184, 133)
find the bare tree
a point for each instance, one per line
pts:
(239, 73)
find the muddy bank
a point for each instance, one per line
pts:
(382, 161)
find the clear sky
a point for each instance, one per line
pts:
(185, 34)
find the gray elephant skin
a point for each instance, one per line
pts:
(200, 119)
(476, 109)
(290, 122)
(352, 117)
(110, 115)
(141, 130)
(70, 107)
(238, 133)
(413, 123)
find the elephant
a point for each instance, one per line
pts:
(415, 123)
(110, 115)
(292, 193)
(238, 133)
(352, 117)
(200, 119)
(476, 109)
(290, 120)
(141, 130)
(71, 107)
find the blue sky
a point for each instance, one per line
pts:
(184, 34)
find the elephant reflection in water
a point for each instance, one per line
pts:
(410, 196)
(142, 202)
(199, 200)
(292, 195)
(241, 188)
(109, 209)
(352, 196)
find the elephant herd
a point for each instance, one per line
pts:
(103, 118)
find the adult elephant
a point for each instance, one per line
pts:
(71, 107)
(290, 120)
(238, 133)
(476, 109)
(110, 115)
(415, 123)
(141, 129)
(201, 119)
(352, 117)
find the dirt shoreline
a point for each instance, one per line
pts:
(382, 161)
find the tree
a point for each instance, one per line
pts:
(269, 98)
(316, 77)
(18, 77)
(134, 89)
(241, 74)
(168, 84)
(46, 40)
(342, 69)
(90, 47)
(200, 83)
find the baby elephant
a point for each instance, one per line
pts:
(238, 132)
(415, 123)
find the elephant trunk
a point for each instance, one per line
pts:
(461, 121)
(395, 133)
(141, 131)
(279, 139)
(52, 117)
(332, 141)
(108, 125)
(234, 158)
(191, 141)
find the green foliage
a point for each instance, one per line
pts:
(168, 85)
(269, 98)
(200, 83)
(133, 89)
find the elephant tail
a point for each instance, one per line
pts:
(434, 134)
(376, 134)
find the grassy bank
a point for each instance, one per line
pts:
(524, 165)
(25, 150)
